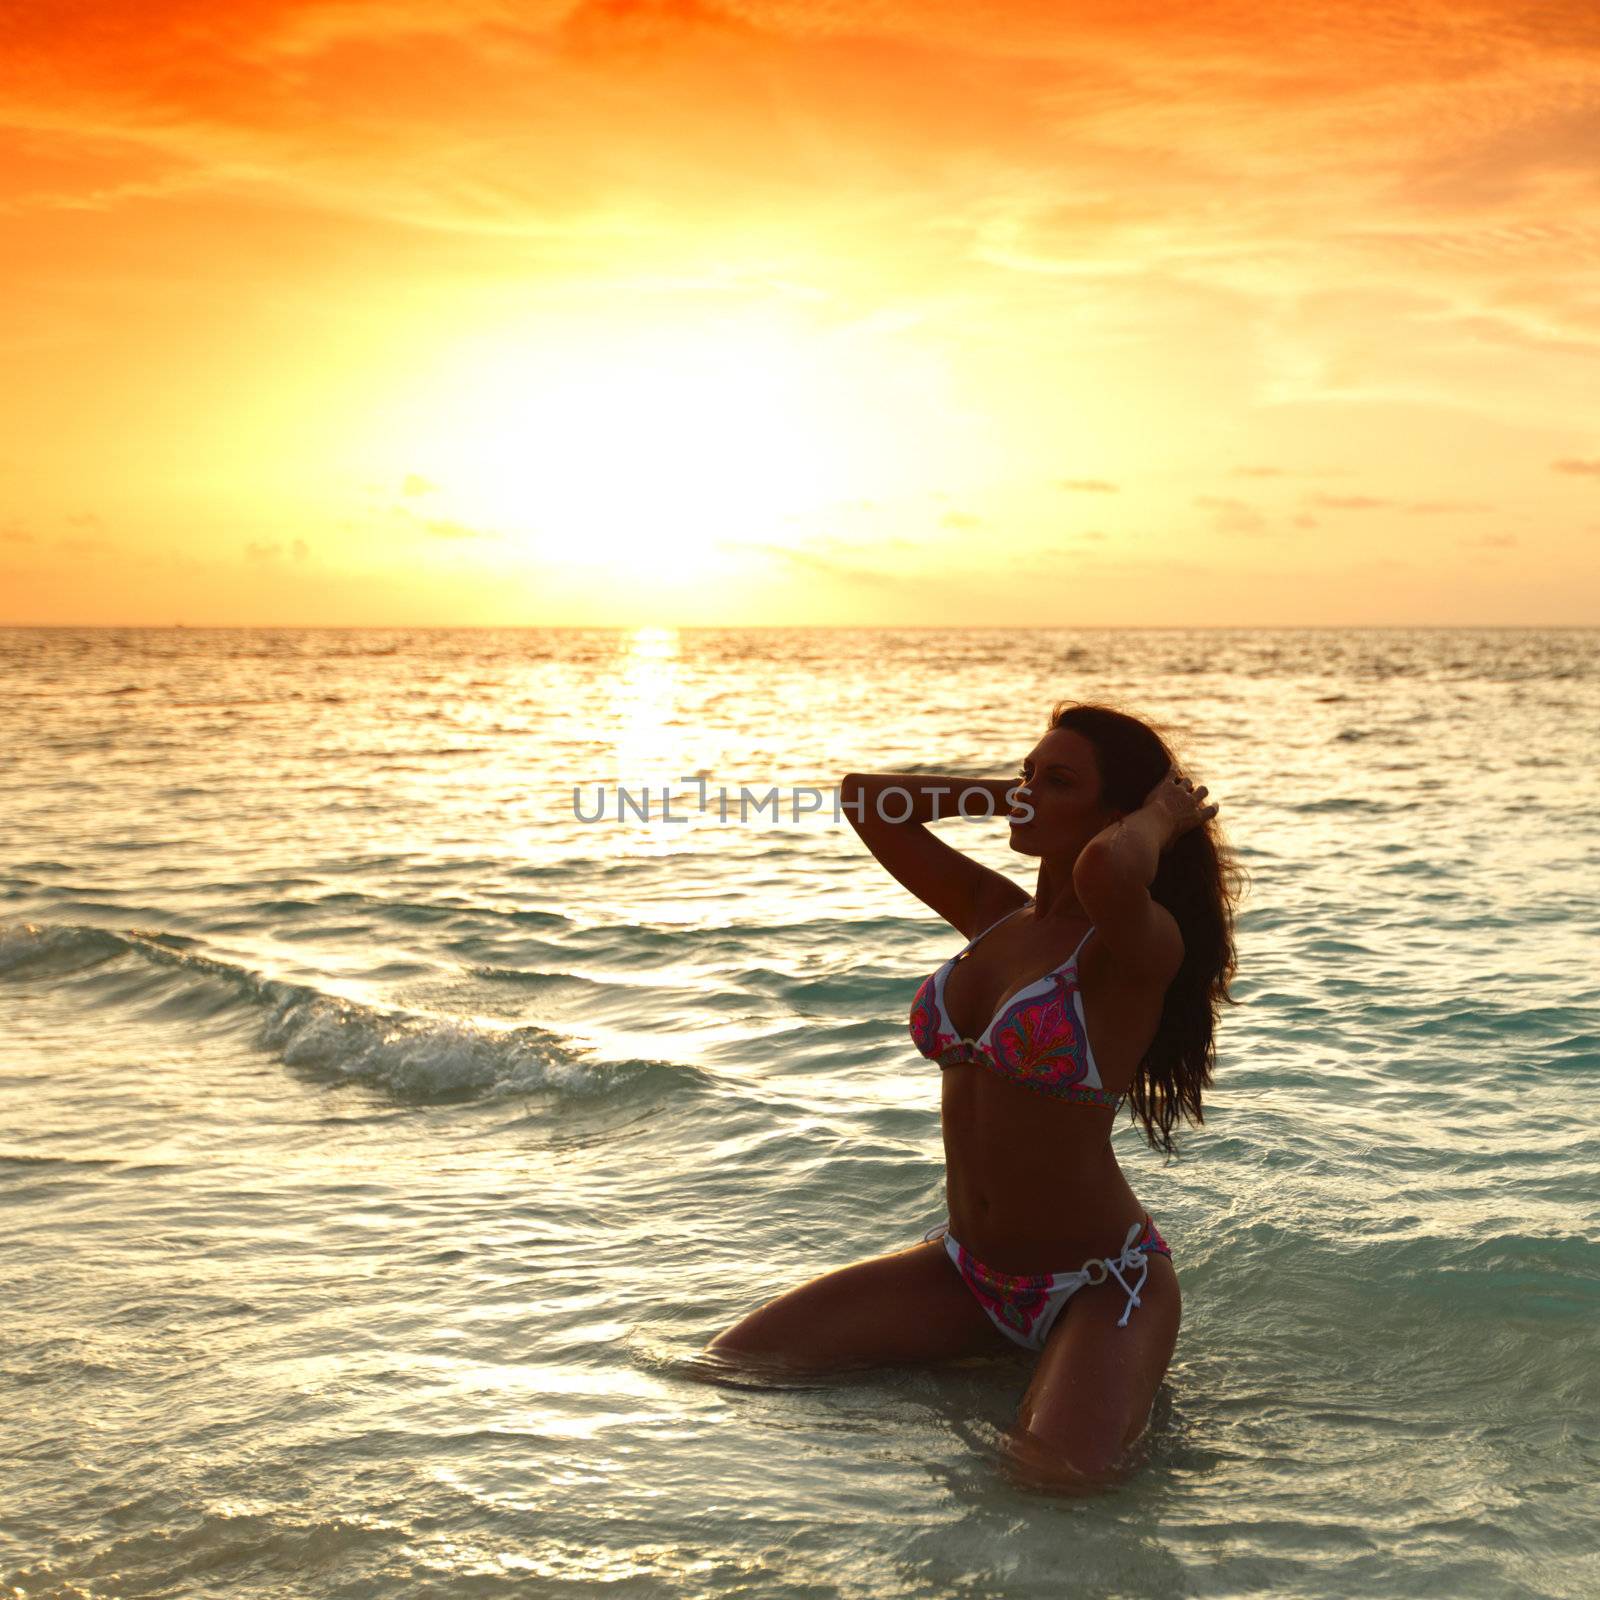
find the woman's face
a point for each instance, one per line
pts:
(1060, 779)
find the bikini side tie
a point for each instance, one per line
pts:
(1130, 1258)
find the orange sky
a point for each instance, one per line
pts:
(907, 311)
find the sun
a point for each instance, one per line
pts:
(655, 452)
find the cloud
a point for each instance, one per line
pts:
(1350, 502)
(440, 527)
(1447, 147)
(16, 536)
(414, 484)
(844, 572)
(1491, 541)
(637, 33)
(1589, 468)
(1088, 485)
(1232, 516)
(265, 553)
(960, 519)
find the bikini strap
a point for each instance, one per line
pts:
(990, 929)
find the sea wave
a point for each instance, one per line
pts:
(414, 1055)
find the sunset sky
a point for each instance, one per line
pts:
(907, 311)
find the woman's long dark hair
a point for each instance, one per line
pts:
(1198, 881)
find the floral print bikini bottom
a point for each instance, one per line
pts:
(1024, 1306)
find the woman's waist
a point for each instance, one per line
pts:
(1028, 1252)
(1005, 1143)
(1029, 1221)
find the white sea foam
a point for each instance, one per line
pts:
(415, 1056)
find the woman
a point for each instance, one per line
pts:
(1102, 985)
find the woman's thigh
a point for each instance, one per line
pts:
(908, 1306)
(1093, 1388)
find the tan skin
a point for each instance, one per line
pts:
(1032, 1183)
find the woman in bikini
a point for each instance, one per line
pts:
(1101, 986)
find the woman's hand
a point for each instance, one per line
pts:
(1178, 801)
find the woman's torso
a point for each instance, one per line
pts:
(1032, 1182)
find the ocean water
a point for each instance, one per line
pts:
(380, 1140)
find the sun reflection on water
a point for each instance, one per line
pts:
(649, 742)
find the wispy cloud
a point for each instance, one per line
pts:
(1351, 502)
(266, 552)
(828, 566)
(1231, 515)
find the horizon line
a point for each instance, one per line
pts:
(772, 627)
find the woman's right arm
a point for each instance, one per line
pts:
(901, 797)
(891, 810)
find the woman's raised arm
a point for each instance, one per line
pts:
(891, 811)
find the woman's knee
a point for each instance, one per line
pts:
(792, 1327)
(906, 1306)
(774, 1343)
(1083, 1465)
(755, 1334)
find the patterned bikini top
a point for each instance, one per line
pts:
(1038, 1038)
